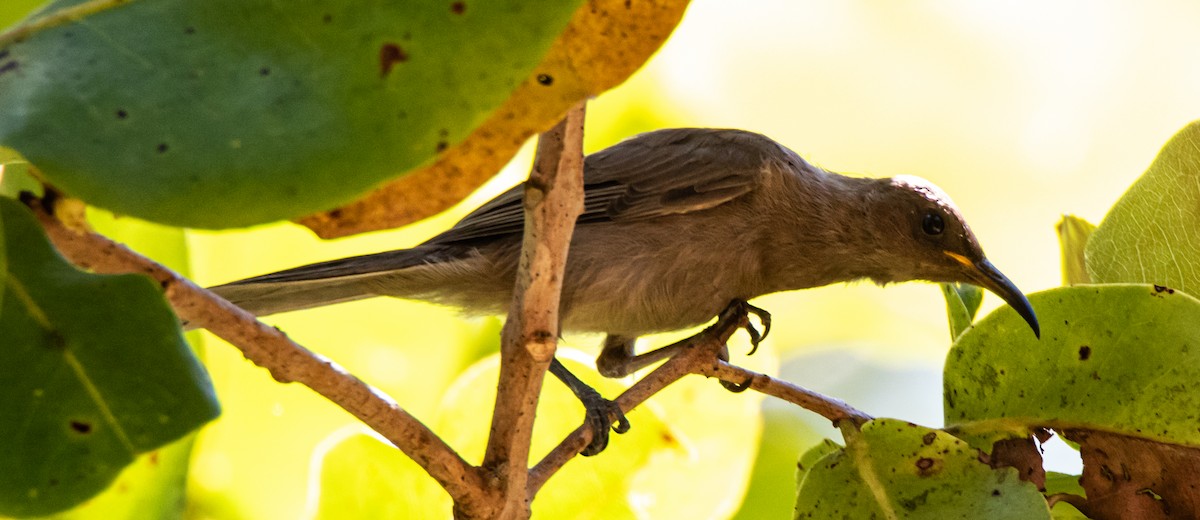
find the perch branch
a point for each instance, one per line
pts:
(701, 349)
(830, 408)
(270, 348)
(703, 355)
(553, 201)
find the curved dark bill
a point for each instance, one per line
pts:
(993, 280)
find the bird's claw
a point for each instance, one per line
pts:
(743, 310)
(738, 388)
(600, 415)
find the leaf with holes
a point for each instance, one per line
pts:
(1117, 358)
(95, 369)
(1152, 234)
(895, 469)
(227, 113)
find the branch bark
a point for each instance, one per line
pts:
(553, 201)
(703, 355)
(271, 349)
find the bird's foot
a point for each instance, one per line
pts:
(739, 311)
(737, 315)
(600, 415)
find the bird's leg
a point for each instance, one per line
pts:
(600, 413)
(618, 360)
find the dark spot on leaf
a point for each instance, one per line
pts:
(68, 34)
(458, 7)
(54, 340)
(335, 213)
(995, 492)
(403, 114)
(389, 55)
(265, 71)
(1161, 288)
(407, 36)
(1085, 352)
(628, 4)
(924, 463)
(121, 114)
(81, 427)
(153, 458)
(442, 146)
(327, 18)
(52, 482)
(444, 132)
(545, 79)
(669, 439)
(189, 30)
(3, 54)
(928, 438)
(9, 67)
(162, 148)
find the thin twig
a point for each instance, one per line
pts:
(56, 18)
(271, 349)
(553, 201)
(700, 350)
(700, 356)
(830, 408)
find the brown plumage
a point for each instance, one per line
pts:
(676, 225)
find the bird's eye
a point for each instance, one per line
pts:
(932, 224)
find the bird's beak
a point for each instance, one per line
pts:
(984, 274)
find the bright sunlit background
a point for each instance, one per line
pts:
(1021, 111)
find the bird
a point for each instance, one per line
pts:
(677, 226)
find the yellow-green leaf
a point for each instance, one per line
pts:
(1152, 234)
(894, 469)
(1116, 358)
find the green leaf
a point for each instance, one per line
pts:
(812, 457)
(15, 178)
(1152, 234)
(962, 302)
(1073, 234)
(894, 469)
(1118, 358)
(96, 372)
(363, 476)
(228, 113)
(152, 487)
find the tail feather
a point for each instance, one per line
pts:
(319, 284)
(265, 298)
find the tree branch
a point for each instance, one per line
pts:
(270, 348)
(553, 201)
(702, 355)
(830, 408)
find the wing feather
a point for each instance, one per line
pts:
(660, 173)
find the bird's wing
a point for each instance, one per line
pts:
(655, 174)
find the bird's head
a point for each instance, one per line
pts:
(929, 240)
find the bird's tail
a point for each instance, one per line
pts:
(320, 284)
